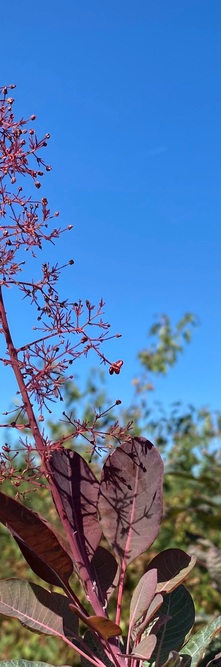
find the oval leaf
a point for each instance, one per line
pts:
(173, 566)
(143, 596)
(145, 648)
(178, 610)
(41, 545)
(101, 624)
(104, 570)
(141, 625)
(37, 609)
(130, 498)
(78, 491)
(104, 627)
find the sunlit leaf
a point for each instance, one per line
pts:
(145, 648)
(104, 627)
(197, 644)
(141, 625)
(173, 566)
(130, 498)
(143, 595)
(101, 624)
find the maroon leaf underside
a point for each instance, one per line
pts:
(143, 595)
(39, 566)
(145, 648)
(37, 609)
(130, 498)
(142, 624)
(78, 490)
(42, 547)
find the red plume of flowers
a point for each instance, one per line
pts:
(63, 330)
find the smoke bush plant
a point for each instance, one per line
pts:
(124, 506)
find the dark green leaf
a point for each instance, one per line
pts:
(197, 645)
(178, 607)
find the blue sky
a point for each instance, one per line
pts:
(130, 93)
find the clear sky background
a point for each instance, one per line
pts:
(131, 95)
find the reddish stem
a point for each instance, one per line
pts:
(120, 591)
(14, 362)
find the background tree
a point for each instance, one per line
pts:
(189, 442)
(188, 439)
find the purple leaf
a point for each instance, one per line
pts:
(130, 498)
(38, 609)
(96, 649)
(143, 595)
(42, 547)
(175, 660)
(104, 572)
(141, 625)
(173, 566)
(145, 648)
(78, 491)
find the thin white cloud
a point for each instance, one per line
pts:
(156, 151)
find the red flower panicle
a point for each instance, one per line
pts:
(64, 330)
